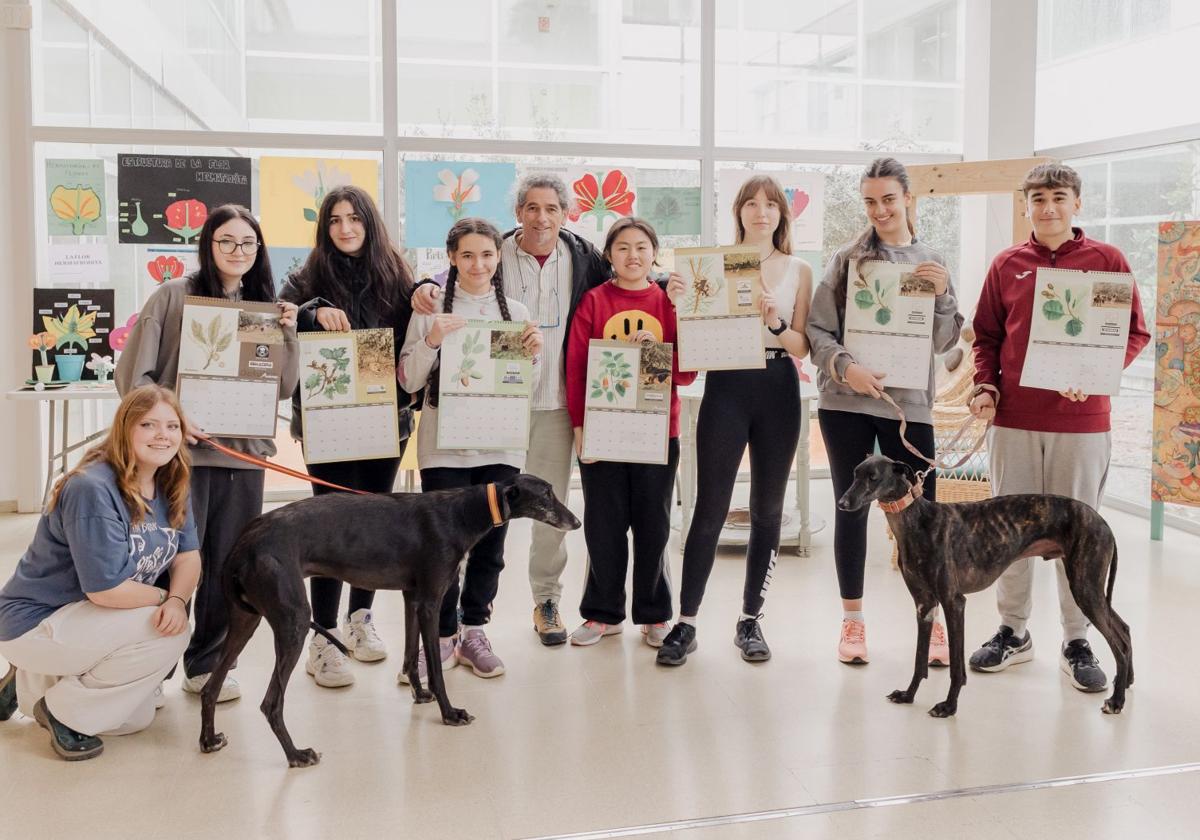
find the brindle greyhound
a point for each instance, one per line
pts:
(950, 550)
(408, 541)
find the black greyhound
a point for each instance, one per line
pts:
(950, 550)
(408, 541)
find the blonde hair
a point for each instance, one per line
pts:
(782, 237)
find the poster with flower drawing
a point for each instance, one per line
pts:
(75, 197)
(164, 199)
(437, 193)
(72, 324)
(600, 196)
(291, 190)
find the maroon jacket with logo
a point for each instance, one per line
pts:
(1002, 322)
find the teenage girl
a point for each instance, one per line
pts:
(354, 279)
(755, 408)
(853, 418)
(226, 493)
(474, 291)
(620, 496)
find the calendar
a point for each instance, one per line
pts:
(485, 378)
(719, 324)
(889, 321)
(627, 404)
(230, 363)
(1079, 330)
(348, 395)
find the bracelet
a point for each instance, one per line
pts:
(162, 595)
(780, 330)
(169, 597)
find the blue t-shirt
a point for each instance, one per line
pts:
(89, 544)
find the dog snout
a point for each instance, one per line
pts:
(564, 520)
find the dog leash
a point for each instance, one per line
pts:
(265, 464)
(936, 463)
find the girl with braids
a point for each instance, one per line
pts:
(475, 291)
(853, 418)
(354, 279)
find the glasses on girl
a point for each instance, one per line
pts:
(228, 246)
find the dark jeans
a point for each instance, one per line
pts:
(481, 580)
(619, 497)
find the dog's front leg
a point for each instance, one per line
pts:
(921, 668)
(412, 646)
(427, 615)
(955, 612)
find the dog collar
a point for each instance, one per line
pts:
(494, 505)
(914, 492)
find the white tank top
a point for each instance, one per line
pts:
(781, 275)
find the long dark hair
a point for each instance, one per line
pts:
(484, 228)
(258, 283)
(782, 236)
(389, 282)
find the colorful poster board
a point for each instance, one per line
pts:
(627, 403)
(164, 199)
(485, 378)
(163, 264)
(889, 321)
(348, 395)
(805, 192)
(78, 323)
(1175, 471)
(437, 193)
(75, 197)
(291, 190)
(673, 211)
(599, 197)
(719, 323)
(1079, 331)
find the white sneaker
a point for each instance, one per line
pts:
(160, 699)
(655, 634)
(230, 690)
(328, 665)
(362, 640)
(591, 632)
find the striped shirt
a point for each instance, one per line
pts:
(546, 292)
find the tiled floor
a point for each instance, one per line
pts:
(584, 740)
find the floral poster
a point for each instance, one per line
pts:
(673, 211)
(69, 325)
(437, 193)
(805, 193)
(75, 197)
(600, 196)
(164, 199)
(291, 190)
(1175, 474)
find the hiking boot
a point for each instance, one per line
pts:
(230, 690)
(591, 632)
(852, 646)
(8, 693)
(1002, 650)
(328, 665)
(655, 634)
(750, 639)
(475, 650)
(362, 641)
(548, 624)
(446, 646)
(939, 648)
(677, 645)
(1080, 664)
(69, 744)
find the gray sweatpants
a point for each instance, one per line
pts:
(1056, 463)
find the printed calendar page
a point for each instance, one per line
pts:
(889, 321)
(627, 407)
(1079, 331)
(485, 379)
(229, 407)
(719, 324)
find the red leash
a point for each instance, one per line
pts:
(260, 462)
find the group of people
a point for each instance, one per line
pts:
(95, 617)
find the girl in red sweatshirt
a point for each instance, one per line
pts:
(620, 496)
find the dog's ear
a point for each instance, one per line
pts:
(903, 469)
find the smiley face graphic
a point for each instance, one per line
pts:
(625, 325)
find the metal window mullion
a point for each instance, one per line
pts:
(391, 117)
(708, 122)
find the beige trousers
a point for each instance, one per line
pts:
(551, 448)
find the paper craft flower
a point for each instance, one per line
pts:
(612, 198)
(317, 182)
(457, 190)
(185, 217)
(71, 329)
(76, 206)
(164, 268)
(798, 200)
(118, 337)
(102, 365)
(41, 342)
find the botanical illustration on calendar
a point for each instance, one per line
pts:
(484, 382)
(627, 407)
(889, 321)
(1079, 331)
(719, 324)
(348, 395)
(230, 362)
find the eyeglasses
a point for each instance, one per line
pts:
(228, 246)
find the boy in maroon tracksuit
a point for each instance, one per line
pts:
(1042, 441)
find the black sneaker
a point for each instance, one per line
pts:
(679, 643)
(1080, 664)
(750, 639)
(69, 744)
(1002, 650)
(8, 693)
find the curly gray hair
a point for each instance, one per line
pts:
(543, 180)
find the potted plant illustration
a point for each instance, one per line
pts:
(42, 342)
(71, 333)
(102, 366)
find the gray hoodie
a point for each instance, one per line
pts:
(825, 326)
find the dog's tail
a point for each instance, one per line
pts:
(1112, 574)
(333, 640)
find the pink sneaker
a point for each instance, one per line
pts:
(852, 647)
(475, 650)
(446, 647)
(939, 648)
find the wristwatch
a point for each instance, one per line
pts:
(780, 330)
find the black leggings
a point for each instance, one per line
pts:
(759, 408)
(849, 438)
(376, 475)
